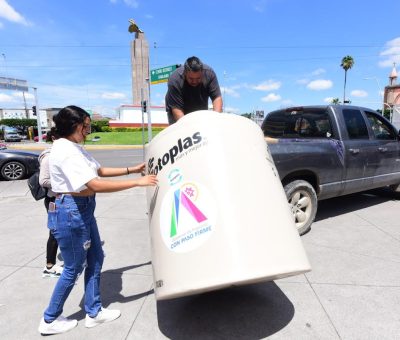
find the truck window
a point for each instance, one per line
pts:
(355, 124)
(299, 124)
(380, 128)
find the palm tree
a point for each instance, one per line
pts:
(347, 64)
(335, 101)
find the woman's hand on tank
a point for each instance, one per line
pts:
(149, 180)
(137, 169)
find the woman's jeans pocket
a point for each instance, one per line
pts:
(52, 220)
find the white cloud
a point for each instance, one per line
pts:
(320, 84)
(359, 93)
(132, 3)
(318, 72)
(328, 100)
(113, 95)
(230, 109)
(272, 97)
(20, 95)
(287, 102)
(259, 6)
(267, 85)
(149, 16)
(129, 3)
(5, 98)
(10, 14)
(230, 91)
(303, 81)
(391, 54)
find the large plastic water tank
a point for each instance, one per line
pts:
(219, 216)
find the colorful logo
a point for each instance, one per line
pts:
(187, 217)
(174, 177)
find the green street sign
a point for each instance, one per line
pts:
(161, 75)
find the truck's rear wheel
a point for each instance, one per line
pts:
(303, 203)
(395, 190)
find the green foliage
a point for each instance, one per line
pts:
(118, 138)
(386, 113)
(246, 115)
(335, 101)
(105, 129)
(97, 125)
(121, 129)
(347, 63)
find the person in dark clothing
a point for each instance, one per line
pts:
(51, 269)
(189, 88)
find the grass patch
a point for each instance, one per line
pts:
(118, 138)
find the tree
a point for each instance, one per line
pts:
(347, 64)
(335, 101)
(246, 115)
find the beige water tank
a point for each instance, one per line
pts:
(219, 216)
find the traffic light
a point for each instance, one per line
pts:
(34, 110)
(144, 105)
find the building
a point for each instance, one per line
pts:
(131, 116)
(392, 97)
(45, 115)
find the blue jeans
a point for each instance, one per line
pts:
(74, 226)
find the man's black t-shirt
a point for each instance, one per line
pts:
(188, 98)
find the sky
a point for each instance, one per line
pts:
(267, 54)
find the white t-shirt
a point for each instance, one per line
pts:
(71, 166)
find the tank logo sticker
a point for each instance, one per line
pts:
(187, 217)
(174, 153)
(174, 177)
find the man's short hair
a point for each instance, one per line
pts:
(193, 64)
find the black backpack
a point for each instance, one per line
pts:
(37, 191)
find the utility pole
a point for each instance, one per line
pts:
(26, 109)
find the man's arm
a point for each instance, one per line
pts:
(173, 98)
(177, 113)
(217, 104)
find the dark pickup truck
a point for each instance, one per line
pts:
(328, 151)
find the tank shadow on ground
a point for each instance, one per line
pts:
(247, 312)
(345, 204)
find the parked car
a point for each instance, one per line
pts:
(3, 146)
(16, 164)
(12, 137)
(328, 151)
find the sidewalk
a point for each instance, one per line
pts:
(353, 291)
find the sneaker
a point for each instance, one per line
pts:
(105, 315)
(54, 271)
(59, 325)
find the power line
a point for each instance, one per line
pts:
(195, 46)
(246, 62)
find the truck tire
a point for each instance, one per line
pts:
(395, 190)
(303, 203)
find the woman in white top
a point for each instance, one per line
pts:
(75, 179)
